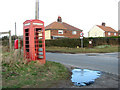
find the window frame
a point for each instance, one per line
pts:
(60, 31)
(109, 33)
(74, 33)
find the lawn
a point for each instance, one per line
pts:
(17, 74)
(97, 49)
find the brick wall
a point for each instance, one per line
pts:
(66, 33)
(111, 34)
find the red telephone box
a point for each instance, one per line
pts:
(34, 40)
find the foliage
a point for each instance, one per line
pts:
(72, 43)
(65, 42)
(17, 73)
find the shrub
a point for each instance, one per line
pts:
(72, 43)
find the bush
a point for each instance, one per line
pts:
(72, 43)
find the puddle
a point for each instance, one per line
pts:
(83, 77)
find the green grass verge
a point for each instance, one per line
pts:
(31, 75)
(97, 49)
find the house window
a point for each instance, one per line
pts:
(108, 33)
(60, 31)
(74, 32)
(114, 34)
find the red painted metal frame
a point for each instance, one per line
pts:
(33, 53)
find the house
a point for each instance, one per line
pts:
(118, 32)
(61, 29)
(102, 31)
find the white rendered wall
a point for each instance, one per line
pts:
(47, 35)
(96, 32)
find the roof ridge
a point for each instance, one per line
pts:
(55, 25)
(61, 25)
(71, 26)
(106, 28)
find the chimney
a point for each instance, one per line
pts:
(103, 24)
(59, 19)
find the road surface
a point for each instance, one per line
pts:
(107, 62)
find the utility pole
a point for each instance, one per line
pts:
(37, 9)
(15, 31)
(82, 42)
(81, 37)
(10, 40)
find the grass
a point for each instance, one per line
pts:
(97, 49)
(17, 74)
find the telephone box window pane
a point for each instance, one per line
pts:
(26, 30)
(36, 33)
(38, 29)
(40, 57)
(40, 41)
(40, 53)
(27, 38)
(40, 45)
(39, 37)
(27, 42)
(27, 46)
(40, 49)
(36, 45)
(27, 50)
(26, 34)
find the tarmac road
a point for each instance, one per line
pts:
(106, 62)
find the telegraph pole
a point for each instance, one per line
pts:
(37, 9)
(15, 31)
(10, 40)
(81, 37)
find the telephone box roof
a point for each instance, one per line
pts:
(33, 20)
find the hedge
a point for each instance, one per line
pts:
(72, 43)
(77, 42)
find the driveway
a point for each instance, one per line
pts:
(107, 62)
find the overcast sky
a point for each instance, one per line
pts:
(83, 14)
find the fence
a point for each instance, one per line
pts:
(10, 40)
